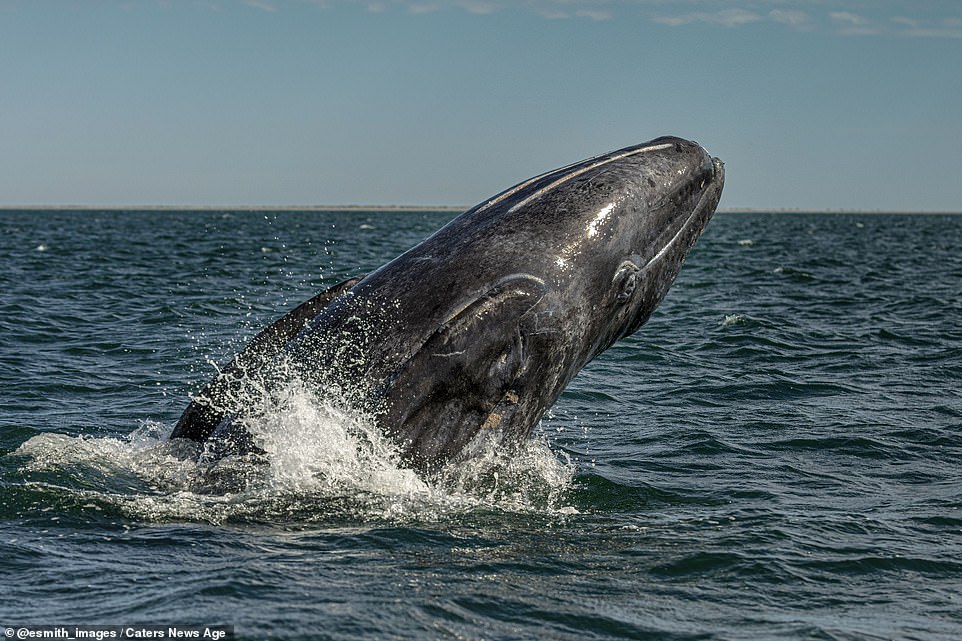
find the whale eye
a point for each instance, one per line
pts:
(626, 281)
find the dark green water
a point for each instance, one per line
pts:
(777, 454)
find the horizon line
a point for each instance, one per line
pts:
(431, 208)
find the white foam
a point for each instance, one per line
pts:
(733, 319)
(323, 463)
(318, 443)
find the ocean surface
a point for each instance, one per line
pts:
(777, 454)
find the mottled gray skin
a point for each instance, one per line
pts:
(482, 325)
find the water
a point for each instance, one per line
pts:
(776, 454)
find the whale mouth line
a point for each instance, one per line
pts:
(712, 187)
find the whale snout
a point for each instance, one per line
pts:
(716, 182)
(719, 168)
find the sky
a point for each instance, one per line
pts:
(812, 104)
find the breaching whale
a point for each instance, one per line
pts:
(481, 326)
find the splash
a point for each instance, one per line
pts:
(322, 463)
(734, 319)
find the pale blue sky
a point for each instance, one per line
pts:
(811, 103)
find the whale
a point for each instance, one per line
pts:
(477, 330)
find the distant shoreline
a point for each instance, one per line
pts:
(407, 208)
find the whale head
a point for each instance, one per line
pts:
(639, 212)
(536, 282)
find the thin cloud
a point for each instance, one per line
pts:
(842, 22)
(725, 18)
(798, 19)
(419, 7)
(914, 28)
(852, 24)
(800, 15)
(597, 15)
(911, 23)
(553, 14)
(263, 5)
(478, 8)
(737, 17)
(852, 19)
